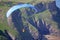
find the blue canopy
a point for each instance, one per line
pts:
(12, 9)
(58, 3)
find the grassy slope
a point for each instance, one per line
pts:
(46, 16)
(3, 21)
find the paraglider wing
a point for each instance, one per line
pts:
(12, 9)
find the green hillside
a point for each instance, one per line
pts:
(45, 15)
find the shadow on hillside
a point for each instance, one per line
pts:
(17, 20)
(55, 11)
(5, 34)
(40, 7)
(1, 33)
(41, 27)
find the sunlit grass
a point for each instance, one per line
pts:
(46, 15)
(3, 21)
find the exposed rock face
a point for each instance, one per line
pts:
(50, 37)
